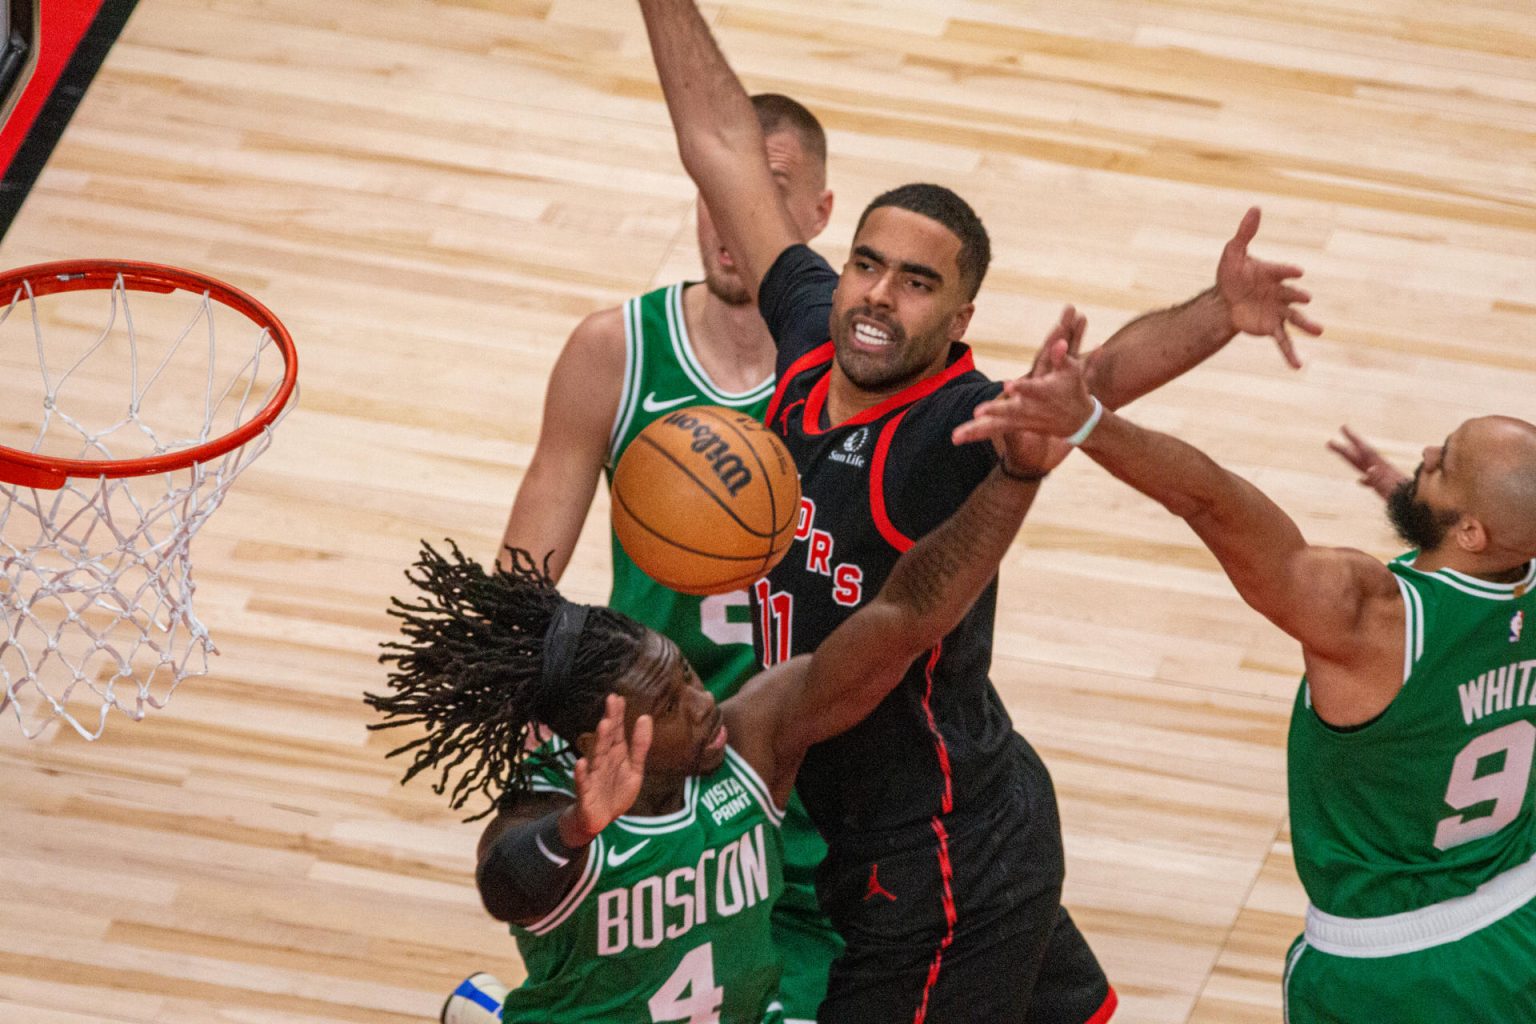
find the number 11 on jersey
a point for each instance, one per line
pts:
(776, 614)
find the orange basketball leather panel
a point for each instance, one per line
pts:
(705, 500)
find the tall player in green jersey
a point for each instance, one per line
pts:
(1413, 809)
(640, 894)
(685, 344)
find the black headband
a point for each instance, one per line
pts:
(560, 642)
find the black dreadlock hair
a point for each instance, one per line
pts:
(470, 672)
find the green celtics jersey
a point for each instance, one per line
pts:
(662, 373)
(1432, 800)
(669, 922)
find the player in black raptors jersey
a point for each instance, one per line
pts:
(945, 866)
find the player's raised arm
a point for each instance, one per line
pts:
(1250, 296)
(531, 857)
(1339, 603)
(719, 138)
(579, 409)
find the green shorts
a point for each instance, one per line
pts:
(802, 934)
(1488, 977)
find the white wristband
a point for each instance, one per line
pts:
(1088, 425)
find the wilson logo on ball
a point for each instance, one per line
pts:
(705, 500)
(716, 450)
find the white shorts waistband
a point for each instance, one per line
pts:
(1426, 927)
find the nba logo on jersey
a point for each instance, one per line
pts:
(851, 451)
(1516, 625)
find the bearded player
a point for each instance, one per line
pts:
(1413, 736)
(642, 893)
(689, 343)
(945, 862)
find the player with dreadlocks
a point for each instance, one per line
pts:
(476, 673)
(639, 884)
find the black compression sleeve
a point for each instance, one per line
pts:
(528, 870)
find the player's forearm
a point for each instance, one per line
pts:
(1248, 533)
(930, 589)
(528, 869)
(711, 112)
(1155, 348)
(1180, 477)
(935, 583)
(547, 517)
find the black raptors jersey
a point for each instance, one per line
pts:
(941, 743)
(944, 863)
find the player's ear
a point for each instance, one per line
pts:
(960, 320)
(823, 213)
(1470, 534)
(585, 743)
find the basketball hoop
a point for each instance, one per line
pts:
(101, 493)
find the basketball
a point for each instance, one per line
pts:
(705, 500)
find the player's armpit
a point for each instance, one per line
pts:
(580, 405)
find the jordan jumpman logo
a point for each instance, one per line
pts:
(875, 888)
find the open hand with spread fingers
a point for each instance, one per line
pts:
(1375, 471)
(1021, 451)
(1042, 409)
(1258, 294)
(608, 780)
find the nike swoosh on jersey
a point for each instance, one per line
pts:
(649, 403)
(617, 859)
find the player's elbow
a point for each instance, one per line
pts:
(1212, 501)
(1195, 509)
(717, 152)
(914, 630)
(502, 900)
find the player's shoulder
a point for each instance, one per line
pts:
(1369, 574)
(799, 261)
(600, 328)
(597, 348)
(954, 402)
(607, 330)
(1353, 606)
(528, 809)
(794, 297)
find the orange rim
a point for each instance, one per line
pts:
(28, 470)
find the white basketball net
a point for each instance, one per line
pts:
(96, 578)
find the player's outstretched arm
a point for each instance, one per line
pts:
(580, 405)
(531, 857)
(1320, 596)
(1375, 471)
(719, 138)
(814, 697)
(1250, 296)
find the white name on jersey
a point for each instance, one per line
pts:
(1499, 689)
(668, 906)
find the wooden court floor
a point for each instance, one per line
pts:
(433, 192)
